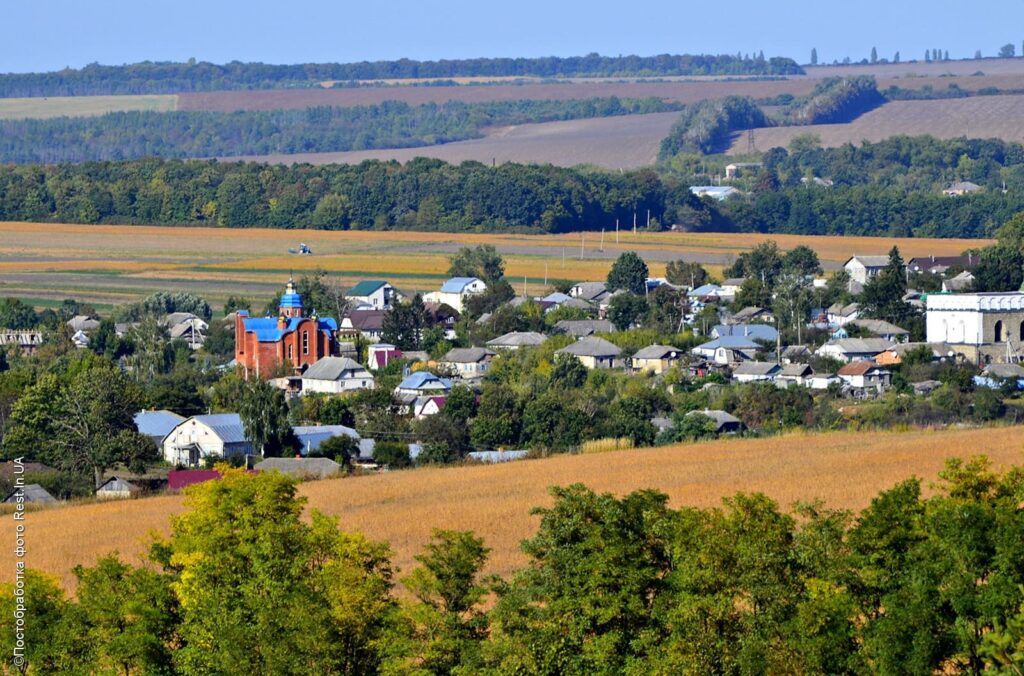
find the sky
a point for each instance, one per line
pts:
(41, 35)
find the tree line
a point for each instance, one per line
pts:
(171, 78)
(244, 584)
(181, 134)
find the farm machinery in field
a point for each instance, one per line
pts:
(302, 250)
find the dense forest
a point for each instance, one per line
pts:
(180, 134)
(707, 126)
(836, 100)
(912, 584)
(422, 194)
(171, 78)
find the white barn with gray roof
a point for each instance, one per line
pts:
(220, 435)
(335, 375)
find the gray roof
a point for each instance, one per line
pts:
(756, 368)
(578, 303)
(749, 311)
(861, 345)
(751, 331)
(591, 347)
(590, 290)
(796, 371)
(83, 323)
(721, 418)
(1004, 371)
(870, 261)
(843, 310)
(157, 423)
(656, 352)
(518, 339)
(880, 327)
(32, 493)
(299, 467)
(466, 355)
(584, 327)
(331, 368)
(118, 484)
(227, 426)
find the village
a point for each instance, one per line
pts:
(672, 338)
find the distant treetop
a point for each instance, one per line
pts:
(169, 78)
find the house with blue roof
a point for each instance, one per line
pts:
(728, 349)
(752, 331)
(218, 435)
(292, 341)
(454, 292)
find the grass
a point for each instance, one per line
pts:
(846, 469)
(83, 106)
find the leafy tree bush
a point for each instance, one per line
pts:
(629, 272)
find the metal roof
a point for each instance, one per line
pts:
(751, 331)
(591, 346)
(227, 426)
(584, 327)
(267, 331)
(466, 355)
(457, 284)
(655, 352)
(157, 423)
(518, 339)
(730, 342)
(331, 368)
(756, 368)
(318, 467)
(366, 287)
(31, 493)
(424, 380)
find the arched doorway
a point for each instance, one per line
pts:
(999, 331)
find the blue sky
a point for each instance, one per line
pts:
(40, 35)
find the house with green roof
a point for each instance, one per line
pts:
(377, 294)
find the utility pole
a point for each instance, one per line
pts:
(616, 231)
(634, 221)
(583, 237)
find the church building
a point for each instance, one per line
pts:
(268, 346)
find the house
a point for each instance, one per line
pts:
(380, 355)
(728, 349)
(961, 282)
(493, 457)
(156, 424)
(264, 345)
(444, 316)
(894, 355)
(737, 169)
(715, 192)
(32, 493)
(423, 383)
(756, 371)
(839, 315)
(762, 332)
(581, 328)
(311, 436)
(426, 406)
(593, 352)
(794, 374)
(217, 435)
(823, 381)
(751, 314)
(795, 354)
(656, 358)
(467, 362)
(853, 349)
(882, 329)
(725, 423)
(191, 331)
(516, 340)
(377, 294)
(864, 375)
(454, 292)
(83, 323)
(80, 339)
(116, 488)
(940, 265)
(335, 375)
(591, 292)
(863, 268)
(27, 341)
(301, 468)
(730, 287)
(926, 387)
(366, 323)
(961, 188)
(706, 293)
(982, 326)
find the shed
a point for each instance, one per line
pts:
(33, 493)
(303, 468)
(116, 488)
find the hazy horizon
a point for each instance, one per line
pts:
(53, 35)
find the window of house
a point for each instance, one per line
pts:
(290, 349)
(305, 342)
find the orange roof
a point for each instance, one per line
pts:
(856, 368)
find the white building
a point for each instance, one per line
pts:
(989, 325)
(377, 294)
(454, 292)
(863, 268)
(717, 192)
(335, 375)
(219, 435)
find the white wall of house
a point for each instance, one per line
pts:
(339, 386)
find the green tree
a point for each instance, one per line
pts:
(341, 448)
(801, 260)
(629, 272)
(684, 273)
(482, 261)
(883, 294)
(626, 310)
(499, 418)
(15, 314)
(1007, 51)
(392, 454)
(235, 303)
(331, 212)
(264, 414)
(51, 647)
(814, 56)
(404, 324)
(1000, 268)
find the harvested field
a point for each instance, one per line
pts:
(978, 117)
(82, 106)
(622, 142)
(113, 264)
(845, 469)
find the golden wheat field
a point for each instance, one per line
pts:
(113, 264)
(845, 469)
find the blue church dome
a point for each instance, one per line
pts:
(290, 298)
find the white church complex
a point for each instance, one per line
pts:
(984, 327)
